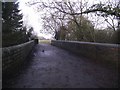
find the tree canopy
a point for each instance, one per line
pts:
(12, 25)
(10, 17)
(72, 19)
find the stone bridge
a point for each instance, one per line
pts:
(72, 65)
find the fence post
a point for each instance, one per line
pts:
(36, 41)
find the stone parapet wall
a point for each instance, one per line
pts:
(13, 57)
(100, 52)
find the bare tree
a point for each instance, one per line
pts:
(62, 12)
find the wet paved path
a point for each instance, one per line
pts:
(57, 68)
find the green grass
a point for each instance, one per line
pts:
(45, 41)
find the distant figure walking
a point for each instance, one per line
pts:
(42, 50)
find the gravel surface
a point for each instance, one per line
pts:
(52, 67)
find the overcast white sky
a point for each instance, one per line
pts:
(32, 18)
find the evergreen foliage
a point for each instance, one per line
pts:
(12, 30)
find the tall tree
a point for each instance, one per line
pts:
(12, 31)
(11, 17)
(72, 10)
(83, 32)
